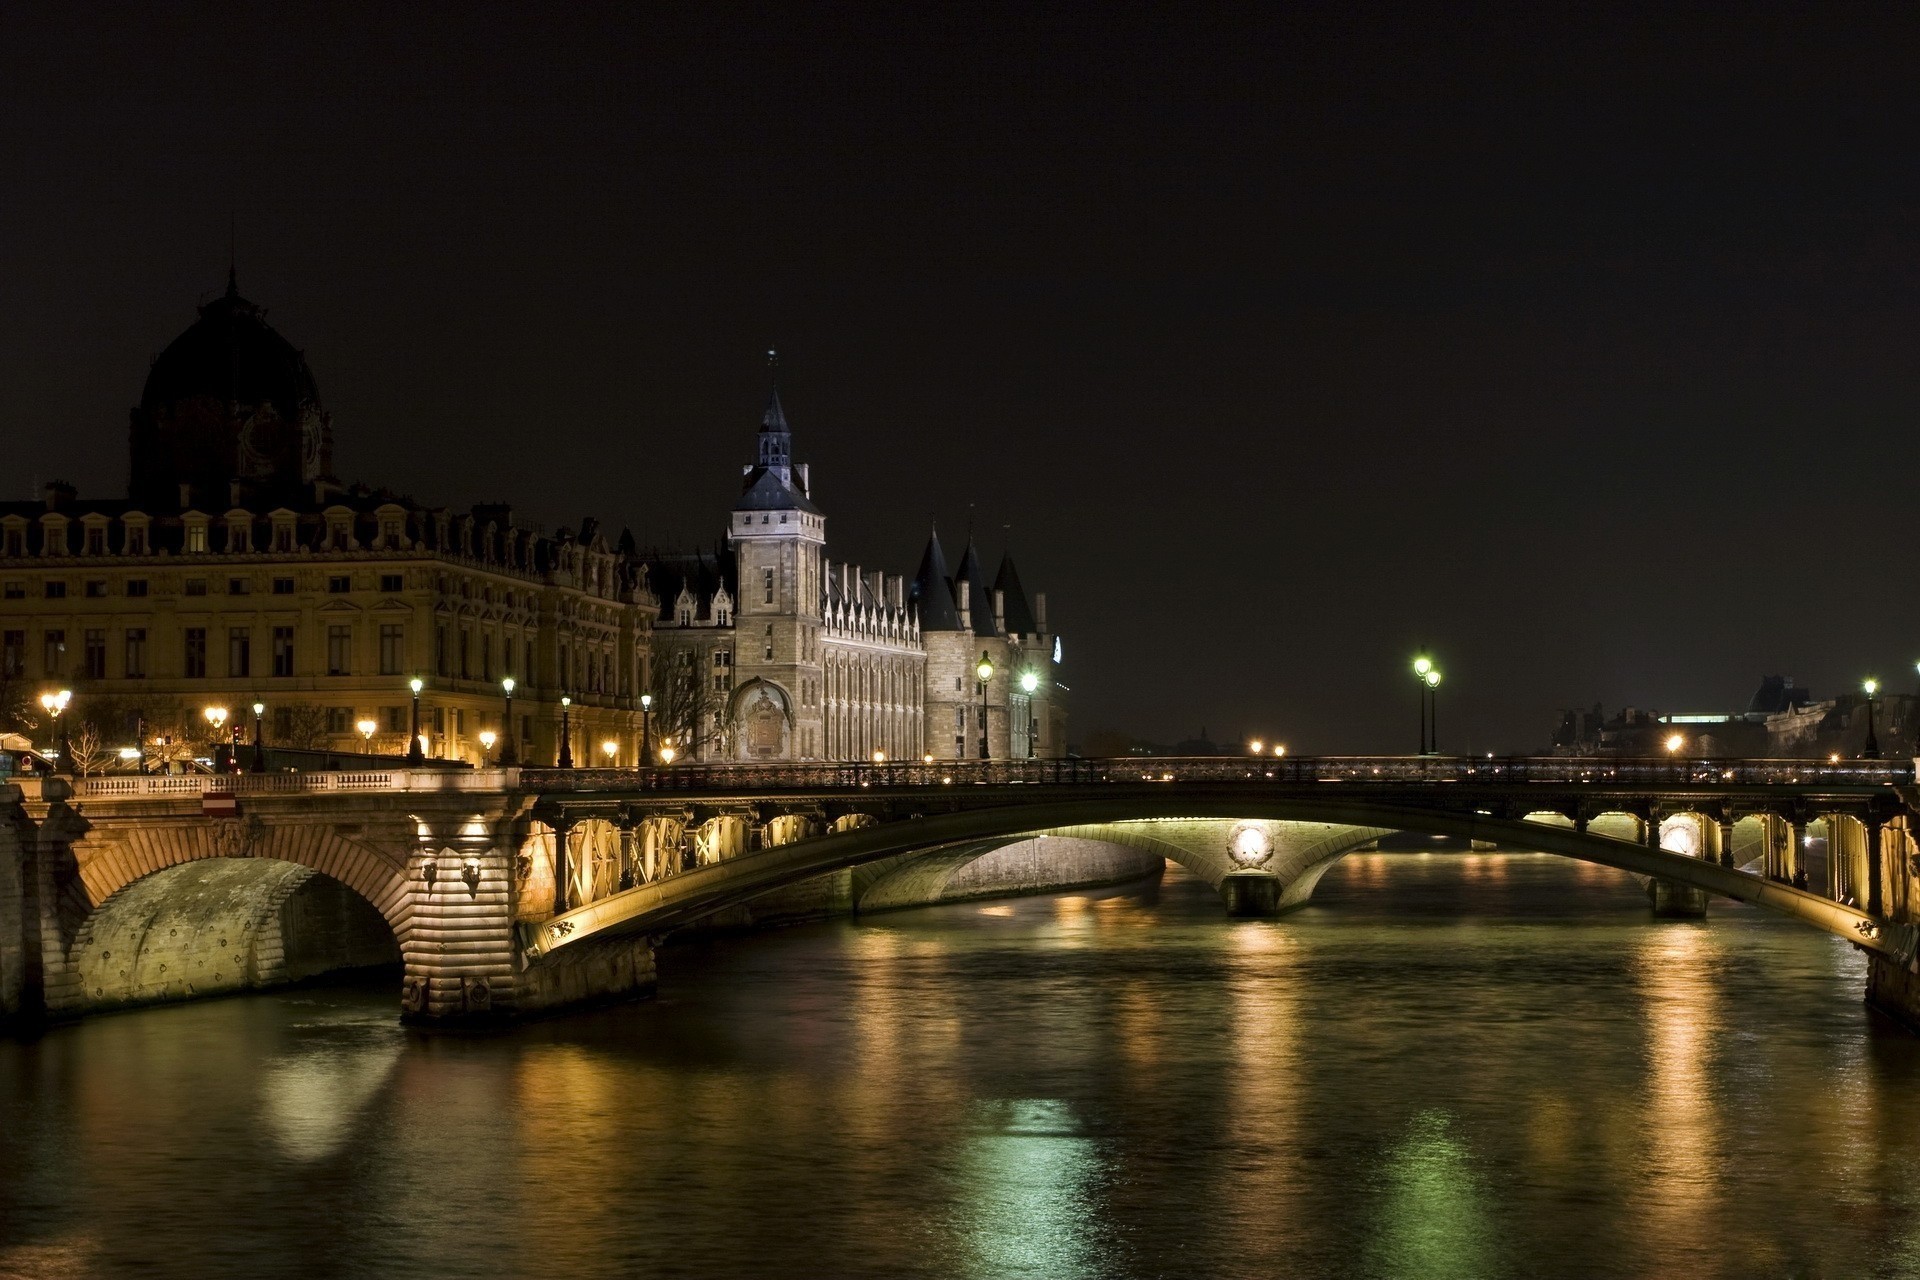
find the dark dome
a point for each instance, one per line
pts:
(232, 355)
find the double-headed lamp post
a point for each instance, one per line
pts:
(984, 670)
(416, 755)
(566, 732)
(259, 743)
(508, 755)
(646, 728)
(54, 704)
(1422, 668)
(1873, 744)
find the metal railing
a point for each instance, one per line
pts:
(1396, 771)
(1386, 770)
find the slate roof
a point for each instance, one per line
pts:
(932, 590)
(1018, 613)
(980, 592)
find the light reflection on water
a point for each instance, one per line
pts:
(1449, 1065)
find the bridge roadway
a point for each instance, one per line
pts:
(511, 891)
(903, 808)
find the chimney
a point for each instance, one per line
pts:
(60, 495)
(236, 493)
(800, 470)
(186, 497)
(897, 591)
(966, 604)
(1000, 611)
(1040, 611)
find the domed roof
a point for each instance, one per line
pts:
(233, 356)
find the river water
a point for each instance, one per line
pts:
(1449, 1065)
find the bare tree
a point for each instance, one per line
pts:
(686, 706)
(303, 728)
(88, 750)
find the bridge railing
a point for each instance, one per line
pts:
(134, 786)
(1559, 770)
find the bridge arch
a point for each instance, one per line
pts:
(656, 907)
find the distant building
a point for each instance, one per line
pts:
(1782, 721)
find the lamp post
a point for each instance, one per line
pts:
(566, 732)
(416, 755)
(610, 749)
(1873, 744)
(54, 704)
(646, 728)
(217, 717)
(366, 728)
(1674, 745)
(1030, 681)
(1432, 679)
(487, 738)
(666, 754)
(508, 754)
(1422, 665)
(984, 670)
(259, 745)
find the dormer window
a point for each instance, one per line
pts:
(197, 538)
(136, 540)
(16, 542)
(283, 537)
(96, 542)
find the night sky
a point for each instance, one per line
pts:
(1277, 345)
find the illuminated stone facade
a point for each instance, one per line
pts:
(768, 650)
(239, 570)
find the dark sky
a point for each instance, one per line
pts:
(1276, 344)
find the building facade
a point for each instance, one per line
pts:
(239, 570)
(766, 649)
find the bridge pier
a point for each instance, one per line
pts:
(1251, 893)
(1672, 900)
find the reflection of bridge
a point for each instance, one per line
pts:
(517, 890)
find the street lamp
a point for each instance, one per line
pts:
(667, 754)
(487, 738)
(415, 755)
(646, 727)
(1873, 744)
(507, 753)
(366, 728)
(983, 669)
(1422, 668)
(1256, 746)
(54, 703)
(217, 718)
(1432, 679)
(610, 749)
(259, 744)
(566, 732)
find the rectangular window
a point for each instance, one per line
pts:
(393, 647)
(526, 728)
(283, 538)
(96, 542)
(486, 657)
(396, 718)
(136, 587)
(283, 586)
(136, 542)
(283, 651)
(239, 651)
(15, 544)
(340, 583)
(136, 653)
(196, 653)
(93, 653)
(526, 672)
(196, 586)
(13, 655)
(466, 653)
(53, 653)
(56, 590)
(960, 719)
(390, 582)
(439, 719)
(769, 584)
(15, 591)
(565, 666)
(97, 590)
(339, 647)
(196, 537)
(440, 649)
(338, 719)
(459, 722)
(239, 586)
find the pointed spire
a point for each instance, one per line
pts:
(233, 281)
(932, 590)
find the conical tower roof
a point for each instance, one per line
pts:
(1018, 613)
(974, 574)
(932, 592)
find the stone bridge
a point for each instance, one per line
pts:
(503, 893)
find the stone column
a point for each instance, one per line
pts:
(562, 828)
(460, 951)
(1726, 840)
(1790, 859)
(624, 823)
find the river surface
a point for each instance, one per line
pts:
(1448, 1065)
